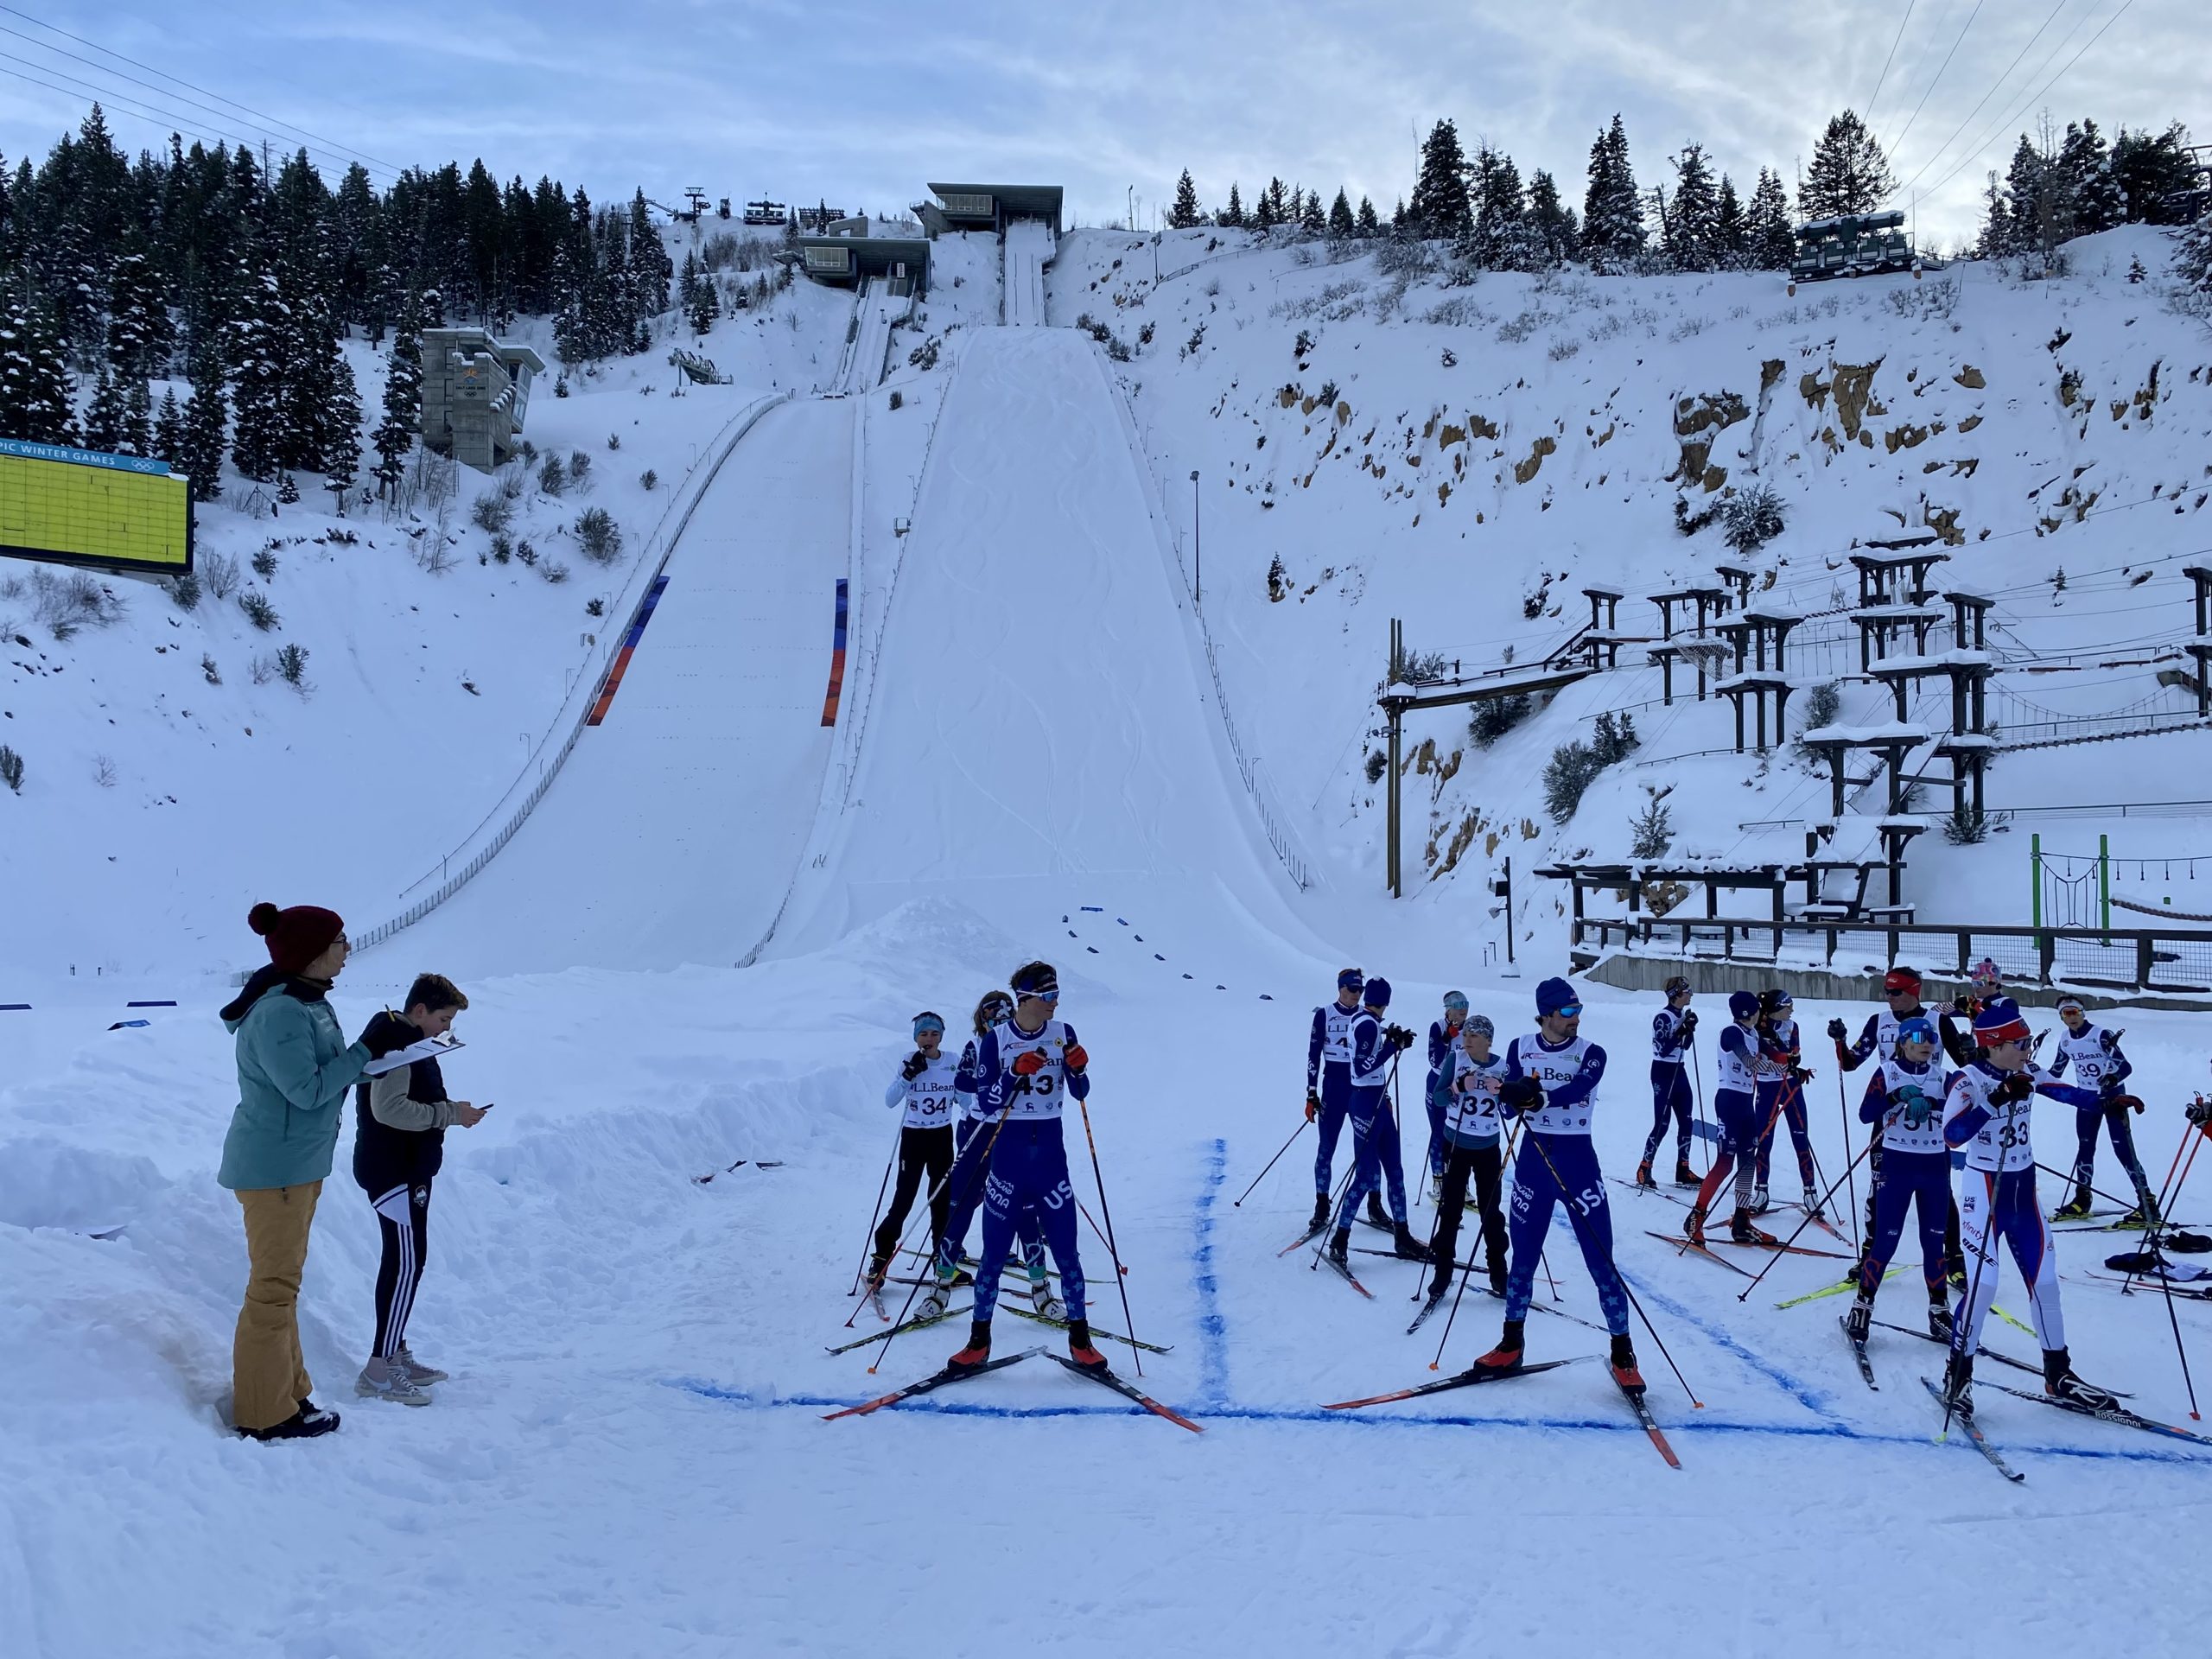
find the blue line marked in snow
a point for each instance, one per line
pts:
(1825, 1431)
(1213, 1363)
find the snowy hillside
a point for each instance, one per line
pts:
(1467, 457)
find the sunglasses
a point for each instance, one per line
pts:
(1572, 1011)
(1902, 990)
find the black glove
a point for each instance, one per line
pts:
(1689, 1023)
(2016, 1086)
(1836, 1029)
(1800, 1075)
(1312, 1105)
(383, 1037)
(1521, 1095)
(2199, 1112)
(916, 1063)
(1398, 1037)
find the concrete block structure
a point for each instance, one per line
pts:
(475, 392)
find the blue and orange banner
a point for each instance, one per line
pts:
(837, 661)
(621, 663)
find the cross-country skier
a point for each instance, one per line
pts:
(1551, 1078)
(1904, 1102)
(1986, 1115)
(1377, 1157)
(2094, 1053)
(1782, 1097)
(972, 1137)
(1674, 1028)
(1443, 1043)
(1743, 1066)
(1027, 1065)
(925, 1087)
(1472, 1123)
(1877, 1040)
(1328, 1089)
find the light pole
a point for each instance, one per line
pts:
(1133, 207)
(1196, 587)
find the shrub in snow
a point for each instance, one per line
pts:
(561, 387)
(11, 769)
(208, 671)
(502, 549)
(1925, 300)
(1418, 667)
(1561, 350)
(292, 667)
(62, 604)
(1751, 519)
(595, 607)
(1376, 764)
(1573, 766)
(264, 564)
(184, 590)
(1964, 827)
(218, 572)
(493, 512)
(579, 466)
(1822, 703)
(554, 572)
(1494, 719)
(258, 611)
(552, 476)
(599, 535)
(288, 490)
(649, 479)
(614, 440)
(1652, 831)
(104, 772)
(525, 552)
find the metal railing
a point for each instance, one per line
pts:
(460, 866)
(2128, 959)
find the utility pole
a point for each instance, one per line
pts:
(1133, 207)
(1198, 590)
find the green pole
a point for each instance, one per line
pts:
(2035, 879)
(2104, 882)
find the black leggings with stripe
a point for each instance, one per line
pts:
(403, 1218)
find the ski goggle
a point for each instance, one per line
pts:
(1567, 1011)
(2069, 1004)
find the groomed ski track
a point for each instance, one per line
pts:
(630, 1458)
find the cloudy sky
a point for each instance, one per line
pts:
(861, 103)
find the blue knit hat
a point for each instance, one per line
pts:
(1377, 993)
(1742, 1005)
(1556, 993)
(2000, 1021)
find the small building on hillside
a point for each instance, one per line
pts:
(847, 259)
(475, 392)
(988, 207)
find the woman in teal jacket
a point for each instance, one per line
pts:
(295, 1068)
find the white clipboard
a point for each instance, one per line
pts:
(430, 1048)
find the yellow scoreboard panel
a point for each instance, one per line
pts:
(83, 507)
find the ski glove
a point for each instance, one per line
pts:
(2121, 1102)
(916, 1063)
(1312, 1105)
(1075, 1059)
(1028, 1062)
(1836, 1029)
(1689, 1025)
(1522, 1095)
(2199, 1112)
(1398, 1037)
(1915, 1107)
(2015, 1087)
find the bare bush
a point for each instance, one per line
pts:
(63, 604)
(493, 512)
(219, 572)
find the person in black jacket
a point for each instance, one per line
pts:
(401, 1118)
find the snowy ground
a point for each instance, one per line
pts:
(629, 1456)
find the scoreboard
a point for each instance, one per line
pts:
(79, 506)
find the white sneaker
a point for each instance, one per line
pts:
(417, 1372)
(1041, 1297)
(387, 1379)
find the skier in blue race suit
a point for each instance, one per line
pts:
(1377, 1156)
(1328, 1089)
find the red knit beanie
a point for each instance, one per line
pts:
(296, 936)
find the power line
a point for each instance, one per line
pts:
(1882, 78)
(163, 118)
(42, 46)
(2041, 92)
(1939, 69)
(1920, 59)
(329, 145)
(1991, 94)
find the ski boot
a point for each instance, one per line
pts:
(1320, 1216)
(1340, 1247)
(1511, 1349)
(1644, 1175)
(1080, 1349)
(1041, 1297)
(1760, 1202)
(1859, 1319)
(1958, 1384)
(2143, 1216)
(1375, 1212)
(978, 1350)
(2078, 1209)
(1623, 1366)
(422, 1376)
(879, 1267)
(2060, 1383)
(1741, 1230)
(1939, 1316)
(1693, 1225)
(939, 1296)
(1811, 1205)
(305, 1424)
(1440, 1285)
(1954, 1271)
(1435, 1189)
(1405, 1246)
(1684, 1175)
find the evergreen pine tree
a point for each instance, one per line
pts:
(1849, 173)
(1341, 222)
(1769, 239)
(139, 337)
(137, 421)
(2155, 174)
(687, 281)
(1310, 219)
(1729, 247)
(403, 400)
(200, 456)
(257, 353)
(1500, 239)
(2192, 264)
(36, 399)
(1997, 232)
(1438, 210)
(104, 418)
(168, 430)
(1233, 214)
(2040, 205)
(1551, 223)
(651, 268)
(706, 306)
(1691, 232)
(1613, 211)
(1185, 213)
(2097, 200)
(1365, 224)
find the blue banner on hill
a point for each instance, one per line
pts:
(81, 457)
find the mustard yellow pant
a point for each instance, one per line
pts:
(268, 1377)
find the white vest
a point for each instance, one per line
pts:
(1473, 1113)
(1931, 1082)
(930, 1101)
(1555, 1070)
(2086, 1056)
(1336, 1032)
(1038, 1096)
(1735, 1072)
(2003, 1143)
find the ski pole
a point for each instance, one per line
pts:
(1962, 1333)
(1336, 1203)
(1302, 1122)
(1851, 1192)
(1536, 1140)
(2151, 1241)
(1697, 1076)
(1121, 1282)
(2070, 1181)
(1100, 1237)
(1803, 1225)
(882, 1186)
(927, 1211)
